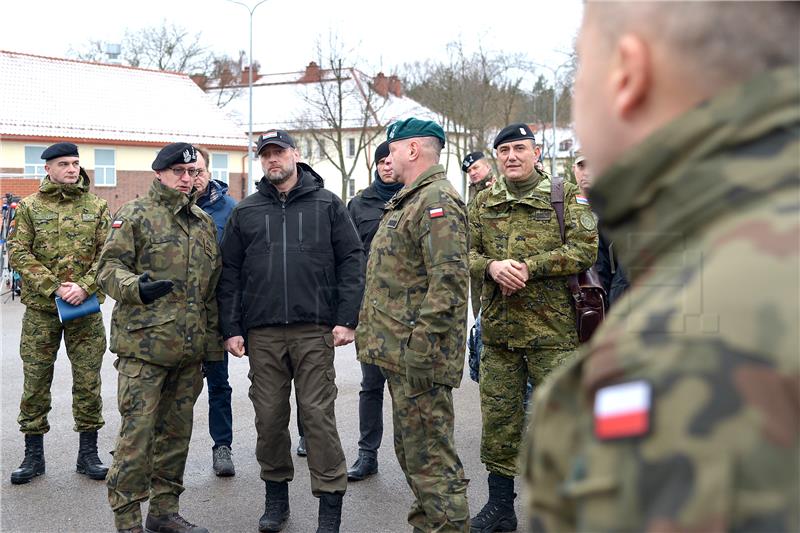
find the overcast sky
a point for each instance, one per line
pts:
(384, 35)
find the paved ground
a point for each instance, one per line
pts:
(63, 500)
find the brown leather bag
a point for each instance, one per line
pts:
(588, 295)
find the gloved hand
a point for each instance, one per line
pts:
(150, 291)
(418, 374)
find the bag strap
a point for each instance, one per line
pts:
(557, 201)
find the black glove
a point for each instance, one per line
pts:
(150, 291)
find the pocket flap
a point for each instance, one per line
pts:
(128, 366)
(148, 322)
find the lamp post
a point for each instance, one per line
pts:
(555, 100)
(250, 155)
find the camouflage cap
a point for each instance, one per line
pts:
(414, 127)
(175, 153)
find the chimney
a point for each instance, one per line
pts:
(246, 73)
(395, 85)
(312, 74)
(381, 84)
(200, 80)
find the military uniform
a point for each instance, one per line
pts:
(476, 284)
(415, 311)
(58, 236)
(702, 350)
(530, 332)
(160, 345)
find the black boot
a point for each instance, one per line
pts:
(330, 513)
(366, 465)
(301, 447)
(276, 507)
(88, 462)
(33, 463)
(171, 523)
(498, 513)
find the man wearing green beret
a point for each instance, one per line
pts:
(413, 321)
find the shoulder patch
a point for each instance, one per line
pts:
(581, 199)
(436, 212)
(117, 223)
(623, 411)
(587, 221)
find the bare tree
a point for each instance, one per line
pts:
(342, 114)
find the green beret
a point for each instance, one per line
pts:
(414, 127)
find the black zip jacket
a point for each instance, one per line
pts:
(366, 210)
(290, 261)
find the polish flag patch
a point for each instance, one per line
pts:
(436, 212)
(116, 224)
(582, 200)
(622, 411)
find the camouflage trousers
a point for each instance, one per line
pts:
(503, 381)
(426, 451)
(85, 340)
(156, 404)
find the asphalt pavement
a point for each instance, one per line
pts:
(63, 500)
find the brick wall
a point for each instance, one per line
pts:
(21, 187)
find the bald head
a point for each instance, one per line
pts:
(642, 64)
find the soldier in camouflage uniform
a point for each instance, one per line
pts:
(477, 167)
(682, 413)
(527, 317)
(55, 247)
(161, 264)
(413, 321)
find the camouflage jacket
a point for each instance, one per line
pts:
(476, 284)
(166, 235)
(526, 229)
(58, 234)
(475, 188)
(415, 300)
(705, 214)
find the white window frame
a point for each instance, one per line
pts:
(38, 169)
(104, 170)
(220, 173)
(351, 147)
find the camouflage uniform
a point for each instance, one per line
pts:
(530, 332)
(704, 212)
(415, 306)
(476, 284)
(161, 345)
(58, 236)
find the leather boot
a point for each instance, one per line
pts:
(301, 447)
(88, 462)
(330, 513)
(276, 507)
(366, 465)
(498, 513)
(171, 523)
(33, 463)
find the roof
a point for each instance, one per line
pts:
(67, 99)
(282, 101)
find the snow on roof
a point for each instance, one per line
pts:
(62, 98)
(282, 101)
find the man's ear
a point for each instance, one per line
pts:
(632, 75)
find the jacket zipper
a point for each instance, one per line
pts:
(300, 233)
(285, 277)
(269, 239)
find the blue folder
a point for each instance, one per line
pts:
(67, 312)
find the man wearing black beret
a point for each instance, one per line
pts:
(480, 175)
(55, 245)
(528, 321)
(161, 264)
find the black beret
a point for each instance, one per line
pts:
(470, 159)
(175, 153)
(60, 150)
(513, 132)
(382, 151)
(279, 137)
(414, 127)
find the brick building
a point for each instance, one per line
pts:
(118, 116)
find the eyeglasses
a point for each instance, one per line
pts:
(178, 172)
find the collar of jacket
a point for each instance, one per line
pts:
(499, 193)
(173, 199)
(434, 173)
(214, 192)
(65, 191)
(481, 185)
(687, 173)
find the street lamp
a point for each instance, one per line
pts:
(250, 155)
(555, 100)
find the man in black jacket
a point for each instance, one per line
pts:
(366, 208)
(291, 287)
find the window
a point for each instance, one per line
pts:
(565, 145)
(34, 164)
(351, 187)
(351, 147)
(320, 148)
(105, 173)
(219, 167)
(309, 149)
